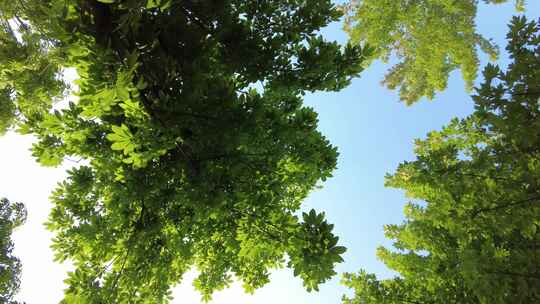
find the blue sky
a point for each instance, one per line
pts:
(374, 133)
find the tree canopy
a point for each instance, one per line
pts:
(472, 233)
(428, 38)
(28, 70)
(199, 151)
(12, 215)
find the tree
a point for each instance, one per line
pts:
(12, 215)
(28, 69)
(473, 236)
(429, 39)
(199, 150)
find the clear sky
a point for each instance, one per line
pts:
(374, 133)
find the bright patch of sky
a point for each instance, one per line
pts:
(374, 133)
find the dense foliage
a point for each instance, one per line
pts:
(428, 38)
(12, 215)
(28, 71)
(473, 236)
(198, 149)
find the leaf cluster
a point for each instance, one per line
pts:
(429, 39)
(12, 215)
